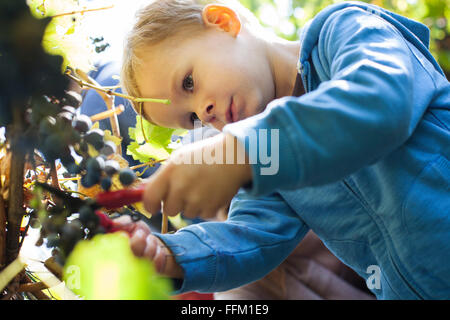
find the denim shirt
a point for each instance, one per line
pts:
(364, 163)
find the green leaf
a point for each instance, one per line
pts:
(157, 144)
(65, 35)
(46, 8)
(146, 152)
(105, 268)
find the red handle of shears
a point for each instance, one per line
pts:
(107, 223)
(117, 199)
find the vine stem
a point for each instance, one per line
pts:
(109, 91)
(165, 223)
(35, 288)
(81, 11)
(150, 163)
(15, 206)
(108, 113)
(54, 175)
(2, 232)
(107, 94)
(32, 286)
(11, 271)
(69, 179)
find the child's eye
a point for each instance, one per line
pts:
(194, 117)
(188, 83)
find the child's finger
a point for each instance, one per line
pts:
(143, 226)
(160, 258)
(151, 242)
(163, 259)
(208, 214)
(173, 204)
(124, 223)
(155, 191)
(190, 212)
(138, 242)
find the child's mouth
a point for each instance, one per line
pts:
(232, 115)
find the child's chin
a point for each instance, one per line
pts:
(252, 112)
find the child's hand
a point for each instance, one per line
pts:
(144, 244)
(197, 189)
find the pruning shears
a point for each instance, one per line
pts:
(108, 200)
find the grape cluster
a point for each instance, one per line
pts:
(33, 90)
(100, 169)
(61, 229)
(65, 135)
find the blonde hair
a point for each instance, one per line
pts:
(167, 19)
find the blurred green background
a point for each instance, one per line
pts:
(286, 17)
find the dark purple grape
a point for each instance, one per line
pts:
(111, 167)
(109, 148)
(127, 176)
(92, 164)
(95, 138)
(67, 160)
(96, 164)
(52, 240)
(65, 117)
(106, 183)
(94, 177)
(54, 147)
(73, 168)
(72, 98)
(69, 109)
(82, 123)
(71, 233)
(90, 179)
(88, 217)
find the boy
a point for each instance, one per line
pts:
(363, 151)
(293, 279)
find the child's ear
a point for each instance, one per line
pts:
(222, 17)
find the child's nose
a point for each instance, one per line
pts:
(209, 114)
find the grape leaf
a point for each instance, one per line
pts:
(146, 152)
(110, 137)
(157, 144)
(65, 35)
(105, 268)
(60, 38)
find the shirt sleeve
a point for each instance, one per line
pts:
(362, 113)
(257, 236)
